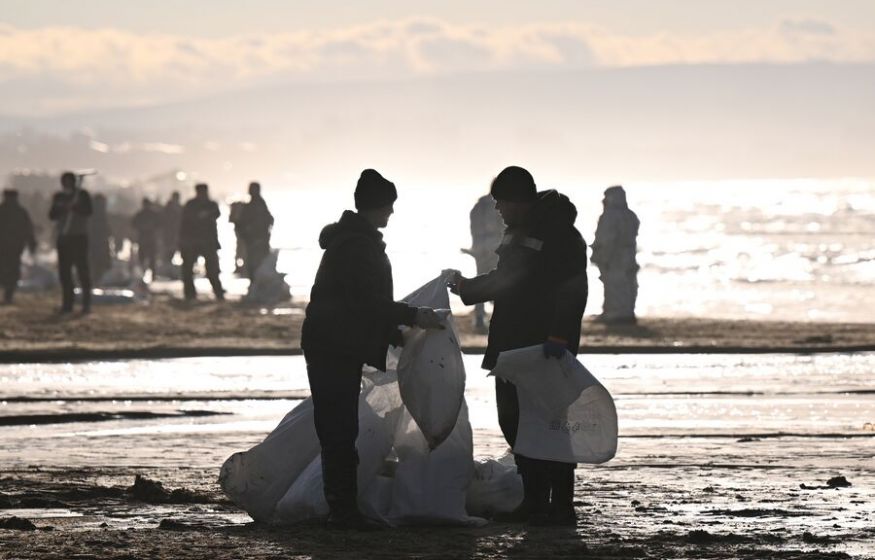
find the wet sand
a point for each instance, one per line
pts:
(714, 495)
(632, 508)
(31, 331)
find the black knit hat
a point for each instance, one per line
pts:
(514, 184)
(374, 191)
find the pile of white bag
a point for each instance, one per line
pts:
(415, 443)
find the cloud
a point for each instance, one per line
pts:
(807, 26)
(93, 67)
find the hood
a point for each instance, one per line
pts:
(554, 209)
(615, 197)
(349, 225)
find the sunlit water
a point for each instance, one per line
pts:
(789, 249)
(703, 439)
(826, 395)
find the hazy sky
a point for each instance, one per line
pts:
(57, 55)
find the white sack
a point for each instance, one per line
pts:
(430, 486)
(582, 431)
(431, 374)
(305, 498)
(257, 479)
(496, 487)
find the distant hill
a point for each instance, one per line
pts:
(651, 122)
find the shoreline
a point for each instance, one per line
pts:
(167, 327)
(61, 355)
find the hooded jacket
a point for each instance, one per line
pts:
(71, 210)
(197, 227)
(539, 288)
(16, 229)
(352, 310)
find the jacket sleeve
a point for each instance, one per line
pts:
(82, 206)
(56, 212)
(30, 238)
(515, 265)
(572, 290)
(360, 285)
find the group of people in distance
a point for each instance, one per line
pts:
(538, 287)
(159, 232)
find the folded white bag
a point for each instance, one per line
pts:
(565, 413)
(431, 374)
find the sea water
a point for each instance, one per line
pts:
(824, 396)
(777, 249)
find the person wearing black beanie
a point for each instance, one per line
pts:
(351, 320)
(374, 191)
(539, 291)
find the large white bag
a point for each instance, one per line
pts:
(431, 374)
(495, 488)
(431, 486)
(378, 415)
(565, 413)
(257, 479)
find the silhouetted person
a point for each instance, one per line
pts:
(99, 253)
(235, 210)
(16, 234)
(171, 217)
(487, 229)
(351, 320)
(254, 225)
(613, 251)
(198, 237)
(71, 209)
(539, 290)
(147, 225)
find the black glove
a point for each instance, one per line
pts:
(555, 347)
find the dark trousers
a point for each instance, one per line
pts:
(73, 253)
(10, 271)
(335, 385)
(146, 254)
(256, 251)
(211, 260)
(544, 482)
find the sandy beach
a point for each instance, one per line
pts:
(32, 331)
(71, 490)
(761, 455)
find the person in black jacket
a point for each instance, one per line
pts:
(16, 234)
(199, 237)
(539, 290)
(71, 209)
(253, 226)
(351, 320)
(147, 225)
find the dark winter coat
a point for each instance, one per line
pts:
(197, 228)
(147, 223)
(71, 217)
(16, 229)
(539, 288)
(352, 311)
(255, 221)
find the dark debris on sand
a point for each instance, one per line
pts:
(153, 492)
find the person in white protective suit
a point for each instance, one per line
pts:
(613, 252)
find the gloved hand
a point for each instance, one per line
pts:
(555, 347)
(426, 318)
(454, 278)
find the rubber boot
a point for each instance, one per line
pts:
(339, 482)
(538, 492)
(562, 495)
(521, 513)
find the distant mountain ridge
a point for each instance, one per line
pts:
(655, 122)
